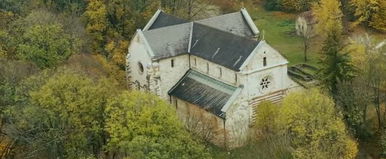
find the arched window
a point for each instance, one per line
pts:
(265, 61)
(172, 63)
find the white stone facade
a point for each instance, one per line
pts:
(262, 74)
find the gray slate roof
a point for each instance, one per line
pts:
(203, 91)
(221, 47)
(225, 40)
(169, 41)
(164, 20)
(232, 22)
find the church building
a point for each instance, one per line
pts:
(214, 71)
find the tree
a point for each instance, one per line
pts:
(316, 129)
(70, 6)
(267, 115)
(46, 46)
(336, 65)
(297, 5)
(371, 13)
(329, 17)
(6, 46)
(144, 126)
(306, 33)
(61, 116)
(353, 99)
(378, 20)
(371, 64)
(96, 15)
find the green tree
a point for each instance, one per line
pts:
(267, 114)
(46, 46)
(70, 6)
(371, 13)
(329, 17)
(61, 116)
(336, 65)
(353, 99)
(297, 5)
(144, 126)
(315, 127)
(96, 15)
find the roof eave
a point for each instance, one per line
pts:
(147, 46)
(249, 57)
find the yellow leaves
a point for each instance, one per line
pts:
(118, 51)
(266, 116)
(316, 129)
(137, 119)
(371, 13)
(96, 13)
(378, 20)
(358, 54)
(328, 16)
(113, 71)
(351, 148)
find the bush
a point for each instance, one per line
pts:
(266, 118)
(310, 123)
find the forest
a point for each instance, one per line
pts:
(64, 91)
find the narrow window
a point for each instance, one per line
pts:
(140, 67)
(264, 61)
(172, 63)
(220, 70)
(195, 62)
(207, 67)
(235, 78)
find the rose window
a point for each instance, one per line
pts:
(264, 83)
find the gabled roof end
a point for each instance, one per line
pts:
(250, 22)
(152, 20)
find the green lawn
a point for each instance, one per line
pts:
(278, 29)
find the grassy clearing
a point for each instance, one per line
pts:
(269, 147)
(279, 31)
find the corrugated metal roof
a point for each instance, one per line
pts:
(203, 91)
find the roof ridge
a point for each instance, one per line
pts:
(166, 27)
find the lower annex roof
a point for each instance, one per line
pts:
(203, 91)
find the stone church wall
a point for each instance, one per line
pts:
(171, 75)
(201, 65)
(138, 55)
(197, 120)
